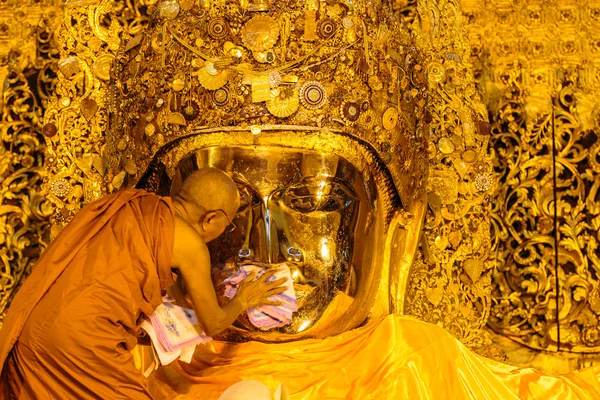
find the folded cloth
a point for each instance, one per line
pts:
(174, 332)
(176, 327)
(267, 317)
(162, 356)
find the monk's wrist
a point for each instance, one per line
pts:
(242, 303)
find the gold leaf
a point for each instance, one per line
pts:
(434, 295)
(455, 238)
(473, 268)
(88, 108)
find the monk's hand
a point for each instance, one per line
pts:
(256, 293)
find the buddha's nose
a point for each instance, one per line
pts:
(268, 237)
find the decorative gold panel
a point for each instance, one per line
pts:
(450, 283)
(537, 64)
(27, 58)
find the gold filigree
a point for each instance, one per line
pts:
(29, 60)
(539, 75)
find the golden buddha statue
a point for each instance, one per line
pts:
(324, 148)
(385, 91)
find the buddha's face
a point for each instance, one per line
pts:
(313, 211)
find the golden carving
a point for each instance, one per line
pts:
(27, 61)
(538, 68)
(450, 281)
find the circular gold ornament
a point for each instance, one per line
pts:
(367, 118)
(483, 181)
(130, 167)
(217, 28)
(446, 146)
(313, 95)
(186, 5)
(469, 155)
(301, 117)
(283, 103)
(211, 80)
(390, 118)
(49, 130)
(221, 97)
(260, 33)
(326, 28)
(435, 71)
(190, 110)
(178, 84)
(102, 66)
(267, 57)
(350, 112)
(375, 83)
(60, 187)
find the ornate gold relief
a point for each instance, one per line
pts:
(450, 283)
(89, 36)
(537, 65)
(27, 70)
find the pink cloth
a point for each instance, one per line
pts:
(267, 317)
(176, 327)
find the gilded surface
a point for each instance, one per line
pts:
(450, 283)
(27, 57)
(537, 65)
(438, 112)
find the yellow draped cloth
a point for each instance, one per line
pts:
(396, 357)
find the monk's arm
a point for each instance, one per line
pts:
(192, 259)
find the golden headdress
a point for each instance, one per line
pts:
(324, 69)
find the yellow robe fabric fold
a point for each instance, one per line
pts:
(397, 357)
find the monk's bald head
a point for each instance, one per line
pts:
(210, 189)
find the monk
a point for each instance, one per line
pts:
(70, 329)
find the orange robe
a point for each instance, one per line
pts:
(396, 357)
(70, 329)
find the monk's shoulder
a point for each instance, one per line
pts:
(187, 243)
(152, 206)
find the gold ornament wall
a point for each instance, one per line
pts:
(450, 284)
(537, 64)
(28, 54)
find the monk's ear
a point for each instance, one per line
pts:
(208, 219)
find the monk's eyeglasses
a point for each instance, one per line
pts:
(231, 227)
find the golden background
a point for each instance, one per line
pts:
(536, 69)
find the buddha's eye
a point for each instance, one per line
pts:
(323, 194)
